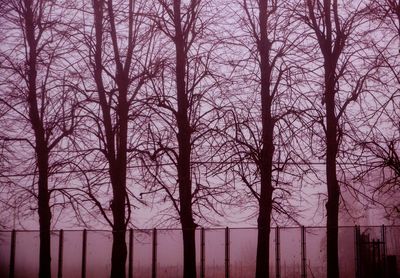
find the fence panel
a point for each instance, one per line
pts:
(200, 257)
(370, 253)
(5, 249)
(98, 256)
(142, 253)
(290, 249)
(374, 251)
(243, 252)
(72, 256)
(315, 252)
(54, 246)
(26, 254)
(347, 255)
(170, 254)
(215, 253)
(392, 237)
(272, 252)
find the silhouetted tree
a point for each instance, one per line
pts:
(40, 104)
(265, 111)
(115, 44)
(180, 136)
(337, 29)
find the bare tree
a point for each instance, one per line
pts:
(40, 105)
(265, 113)
(184, 117)
(337, 28)
(114, 43)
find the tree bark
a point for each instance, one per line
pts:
(41, 148)
(116, 137)
(184, 145)
(332, 205)
(265, 200)
(189, 252)
(119, 249)
(119, 253)
(44, 217)
(331, 47)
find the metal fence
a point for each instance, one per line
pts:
(227, 252)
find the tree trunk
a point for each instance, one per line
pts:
(265, 200)
(262, 261)
(184, 145)
(116, 141)
(331, 48)
(332, 241)
(332, 205)
(331, 56)
(265, 208)
(118, 180)
(118, 254)
(44, 219)
(119, 249)
(41, 148)
(189, 252)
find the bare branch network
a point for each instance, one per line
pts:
(117, 114)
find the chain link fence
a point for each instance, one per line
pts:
(220, 252)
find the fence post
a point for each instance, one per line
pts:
(277, 252)
(227, 252)
(383, 239)
(84, 241)
(202, 253)
(130, 267)
(154, 255)
(357, 250)
(12, 254)
(60, 253)
(303, 253)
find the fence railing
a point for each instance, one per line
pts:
(220, 252)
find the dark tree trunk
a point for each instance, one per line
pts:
(189, 252)
(44, 219)
(332, 205)
(262, 261)
(41, 148)
(116, 137)
(331, 47)
(184, 145)
(118, 180)
(119, 249)
(118, 254)
(265, 200)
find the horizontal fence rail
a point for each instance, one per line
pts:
(367, 251)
